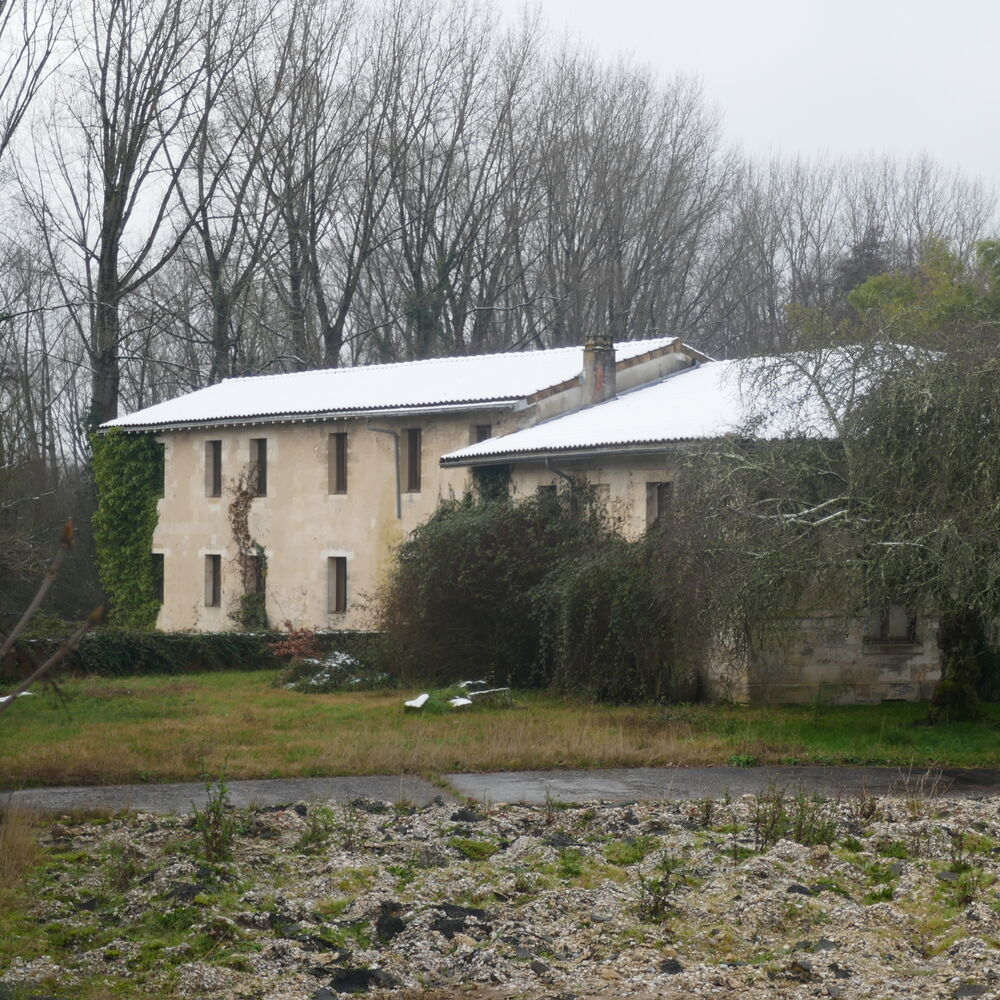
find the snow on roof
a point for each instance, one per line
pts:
(697, 403)
(454, 382)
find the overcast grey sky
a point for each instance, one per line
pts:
(850, 77)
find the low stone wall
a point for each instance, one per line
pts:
(827, 659)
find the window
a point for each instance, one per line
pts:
(158, 576)
(213, 581)
(337, 459)
(258, 466)
(213, 468)
(659, 503)
(481, 432)
(410, 459)
(546, 492)
(891, 623)
(336, 585)
(255, 575)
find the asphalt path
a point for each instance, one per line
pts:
(622, 785)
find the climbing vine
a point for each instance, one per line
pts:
(127, 474)
(250, 612)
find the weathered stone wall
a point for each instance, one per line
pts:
(826, 659)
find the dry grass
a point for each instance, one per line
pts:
(155, 729)
(19, 849)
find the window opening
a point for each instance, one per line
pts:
(337, 457)
(258, 466)
(336, 585)
(213, 468)
(213, 581)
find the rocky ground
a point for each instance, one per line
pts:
(771, 895)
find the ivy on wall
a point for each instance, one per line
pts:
(128, 476)
(250, 611)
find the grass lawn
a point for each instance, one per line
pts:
(112, 730)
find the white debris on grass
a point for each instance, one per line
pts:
(7, 697)
(459, 702)
(418, 702)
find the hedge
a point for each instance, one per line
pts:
(113, 652)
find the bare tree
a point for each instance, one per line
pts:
(30, 31)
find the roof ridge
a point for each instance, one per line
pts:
(342, 369)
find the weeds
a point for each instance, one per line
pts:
(319, 827)
(970, 886)
(216, 824)
(958, 852)
(656, 893)
(123, 868)
(802, 818)
(705, 811)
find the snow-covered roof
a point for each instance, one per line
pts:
(702, 402)
(437, 382)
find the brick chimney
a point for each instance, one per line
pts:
(598, 378)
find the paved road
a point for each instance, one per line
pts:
(646, 783)
(179, 798)
(625, 785)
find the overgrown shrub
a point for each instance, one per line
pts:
(537, 592)
(609, 626)
(461, 597)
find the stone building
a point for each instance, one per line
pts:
(338, 465)
(341, 464)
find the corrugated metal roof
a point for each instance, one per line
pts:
(706, 401)
(435, 382)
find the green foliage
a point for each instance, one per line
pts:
(318, 829)
(537, 592)
(474, 850)
(461, 593)
(337, 671)
(110, 652)
(128, 476)
(800, 817)
(657, 893)
(216, 824)
(609, 624)
(250, 612)
(628, 852)
(113, 652)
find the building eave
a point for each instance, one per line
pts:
(311, 418)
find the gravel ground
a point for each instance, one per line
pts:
(777, 894)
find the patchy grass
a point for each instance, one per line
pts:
(106, 731)
(19, 849)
